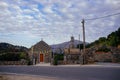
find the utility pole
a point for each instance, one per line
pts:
(79, 41)
(79, 50)
(83, 41)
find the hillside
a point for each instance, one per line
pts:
(66, 44)
(61, 46)
(9, 52)
(112, 40)
(6, 47)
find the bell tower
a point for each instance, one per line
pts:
(72, 42)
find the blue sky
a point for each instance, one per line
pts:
(26, 22)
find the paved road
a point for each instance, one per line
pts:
(67, 73)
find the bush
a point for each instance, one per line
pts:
(58, 57)
(10, 57)
(103, 50)
(55, 60)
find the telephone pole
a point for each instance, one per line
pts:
(79, 41)
(79, 49)
(83, 21)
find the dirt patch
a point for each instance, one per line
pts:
(3, 77)
(24, 77)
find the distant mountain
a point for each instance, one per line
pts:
(6, 47)
(57, 47)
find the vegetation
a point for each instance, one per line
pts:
(9, 57)
(10, 52)
(106, 44)
(13, 56)
(58, 57)
(103, 49)
(112, 39)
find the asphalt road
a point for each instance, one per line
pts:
(67, 73)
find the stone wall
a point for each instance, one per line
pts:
(103, 57)
(13, 62)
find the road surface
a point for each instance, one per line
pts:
(67, 73)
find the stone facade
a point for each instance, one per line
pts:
(71, 54)
(40, 52)
(103, 56)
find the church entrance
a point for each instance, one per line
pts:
(41, 57)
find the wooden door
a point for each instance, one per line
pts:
(41, 57)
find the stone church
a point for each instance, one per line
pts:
(40, 53)
(72, 54)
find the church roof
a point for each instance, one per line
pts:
(41, 46)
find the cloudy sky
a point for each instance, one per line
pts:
(26, 22)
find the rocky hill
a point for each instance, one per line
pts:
(6, 47)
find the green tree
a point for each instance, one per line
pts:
(112, 38)
(22, 55)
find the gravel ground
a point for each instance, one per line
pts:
(24, 77)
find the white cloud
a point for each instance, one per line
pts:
(3, 5)
(36, 19)
(113, 2)
(48, 9)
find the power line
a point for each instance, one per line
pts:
(104, 16)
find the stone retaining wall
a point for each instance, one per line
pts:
(13, 63)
